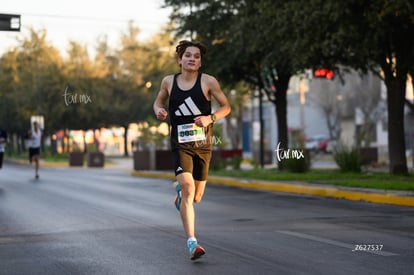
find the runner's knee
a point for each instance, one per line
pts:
(187, 190)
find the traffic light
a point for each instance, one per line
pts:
(323, 73)
(9, 22)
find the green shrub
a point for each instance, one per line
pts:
(348, 159)
(236, 162)
(219, 165)
(298, 163)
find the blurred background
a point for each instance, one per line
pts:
(324, 77)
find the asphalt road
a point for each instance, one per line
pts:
(103, 221)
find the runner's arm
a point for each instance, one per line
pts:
(216, 92)
(161, 100)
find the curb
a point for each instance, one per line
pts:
(42, 163)
(401, 198)
(53, 164)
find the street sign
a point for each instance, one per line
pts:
(10, 22)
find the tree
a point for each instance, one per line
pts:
(239, 95)
(339, 98)
(80, 109)
(364, 35)
(133, 72)
(78, 92)
(328, 99)
(30, 83)
(125, 82)
(367, 98)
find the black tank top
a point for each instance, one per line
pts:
(183, 107)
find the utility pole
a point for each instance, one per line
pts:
(302, 89)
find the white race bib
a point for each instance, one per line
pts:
(190, 132)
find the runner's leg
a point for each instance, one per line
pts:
(186, 182)
(200, 186)
(36, 160)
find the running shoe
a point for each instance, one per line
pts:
(177, 200)
(196, 251)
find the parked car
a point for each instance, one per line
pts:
(317, 143)
(323, 145)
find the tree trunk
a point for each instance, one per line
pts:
(396, 135)
(126, 141)
(281, 114)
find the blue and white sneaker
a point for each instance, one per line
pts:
(177, 200)
(196, 251)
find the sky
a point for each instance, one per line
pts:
(83, 21)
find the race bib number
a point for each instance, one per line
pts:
(190, 132)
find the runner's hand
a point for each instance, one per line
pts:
(202, 121)
(162, 114)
